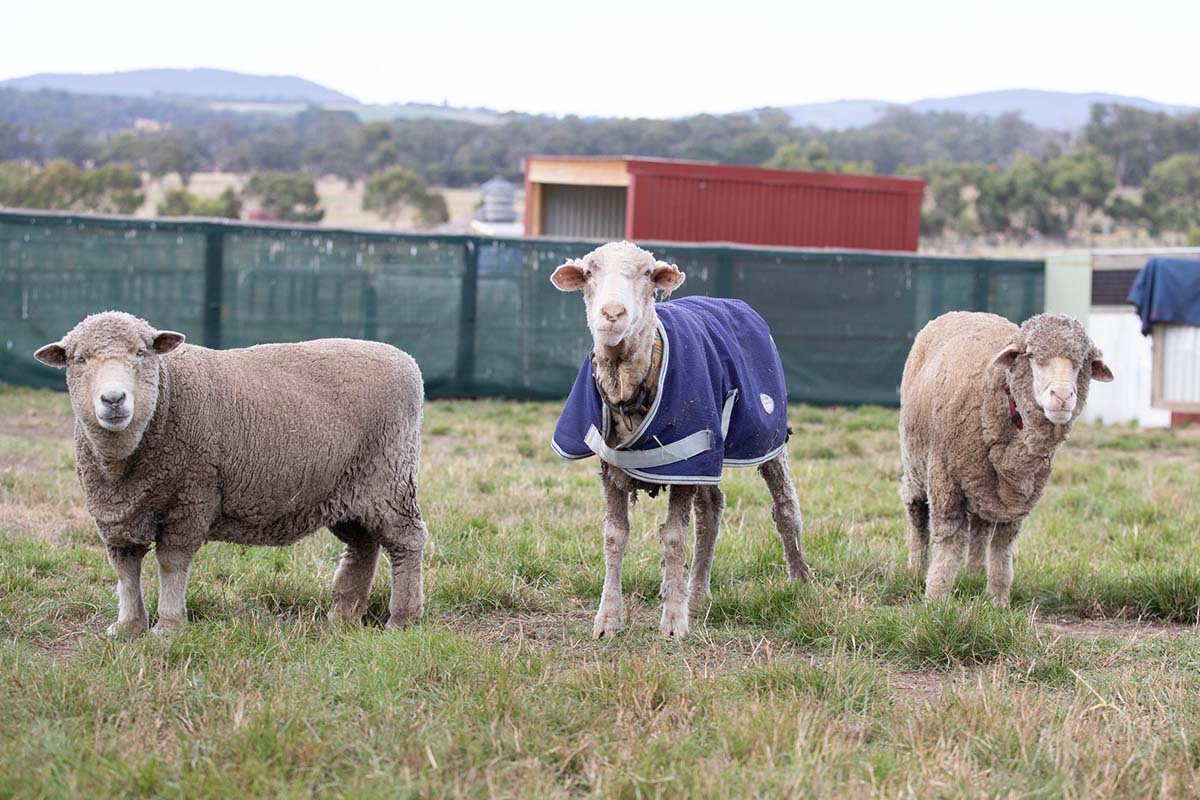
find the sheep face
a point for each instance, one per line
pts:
(618, 281)
(1054, 359)
(112, 363)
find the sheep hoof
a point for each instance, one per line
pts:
(674, 624)
(168, 627)
(609, 622)
(406, 619)
(134, 627)
(345, 614)
(1000, 601)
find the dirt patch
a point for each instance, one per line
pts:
(921, 687)
(33, 423)
(1129, 629)
(46, 522)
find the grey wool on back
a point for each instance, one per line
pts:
(974, 466)
(257, 446)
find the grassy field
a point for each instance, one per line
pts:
(849, 686)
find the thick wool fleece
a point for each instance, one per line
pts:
(260, 446)
(959, 445)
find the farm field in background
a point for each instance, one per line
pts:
(342, 203)
(848, 686)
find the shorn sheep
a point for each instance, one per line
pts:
(176, 445)
(984, 406)
(670, 393)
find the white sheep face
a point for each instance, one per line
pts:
(618, 281)
(112, 370)
(1054, 382)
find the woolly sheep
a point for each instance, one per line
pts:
(984, 406)
(619, 389)
(176, 445)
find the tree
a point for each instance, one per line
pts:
(113, 188)
(389, 192)
(1172, 193)
(1081, 179)
(946, 204)
(814, 157)
(287, 196)
(182, 203)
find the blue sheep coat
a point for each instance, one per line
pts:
(720, 399)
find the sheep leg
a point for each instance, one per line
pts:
(405, 547)
(981, 533)
(950, 541)
(610, 617)
(131, 608)
(918, 532)
(355, 572)
(999, 563)
(785, 510)
(174, 562)
(709, 504)
(673, 533)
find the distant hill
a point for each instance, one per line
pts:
(1054, 110)
(207, 84)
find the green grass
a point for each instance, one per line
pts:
(849, 685)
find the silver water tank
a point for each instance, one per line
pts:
(499, 199)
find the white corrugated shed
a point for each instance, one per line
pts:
(1180, 364)
(1118, 334)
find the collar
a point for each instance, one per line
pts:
(1013, 414)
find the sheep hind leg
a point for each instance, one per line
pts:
(405, 544)
(355, 572)
(785, 510)
(977, 554)
(708, 505)
(999, 562)
(674, 622)
(917, 506)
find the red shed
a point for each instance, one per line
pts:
(654, 199)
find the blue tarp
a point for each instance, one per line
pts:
(1167, 290)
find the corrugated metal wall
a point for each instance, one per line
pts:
(703, 209)
(1181, 364)
(591, 212)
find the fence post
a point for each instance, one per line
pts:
(214, 275)
(723, 279)
(466, 316)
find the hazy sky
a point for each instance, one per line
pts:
(632, 58)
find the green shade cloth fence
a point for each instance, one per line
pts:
(478, 314)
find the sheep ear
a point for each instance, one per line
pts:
(52, 355)
(667, 277)
(1100, 370)
(166, 341)
(1008, 356)
(568, 277)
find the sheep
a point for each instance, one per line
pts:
(177, 444)
(984, 406)
(669, 394)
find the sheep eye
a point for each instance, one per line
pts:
(647, 273)
(79, 360)
(141, 353)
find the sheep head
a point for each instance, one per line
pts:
(1051, 362)
(618, 281)
(113, 370)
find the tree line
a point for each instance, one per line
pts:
(984, 175)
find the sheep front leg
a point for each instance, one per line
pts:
(131, 608)
(610, 617)
(999, 562)
(673, 533)
(951, 535)
(709, 506)
(977, 554)
(174, 562)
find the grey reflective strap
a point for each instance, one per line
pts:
(727, 412)
(687, 447)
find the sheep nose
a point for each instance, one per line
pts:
(612, 311)
(113, 398)
(1063, 396)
